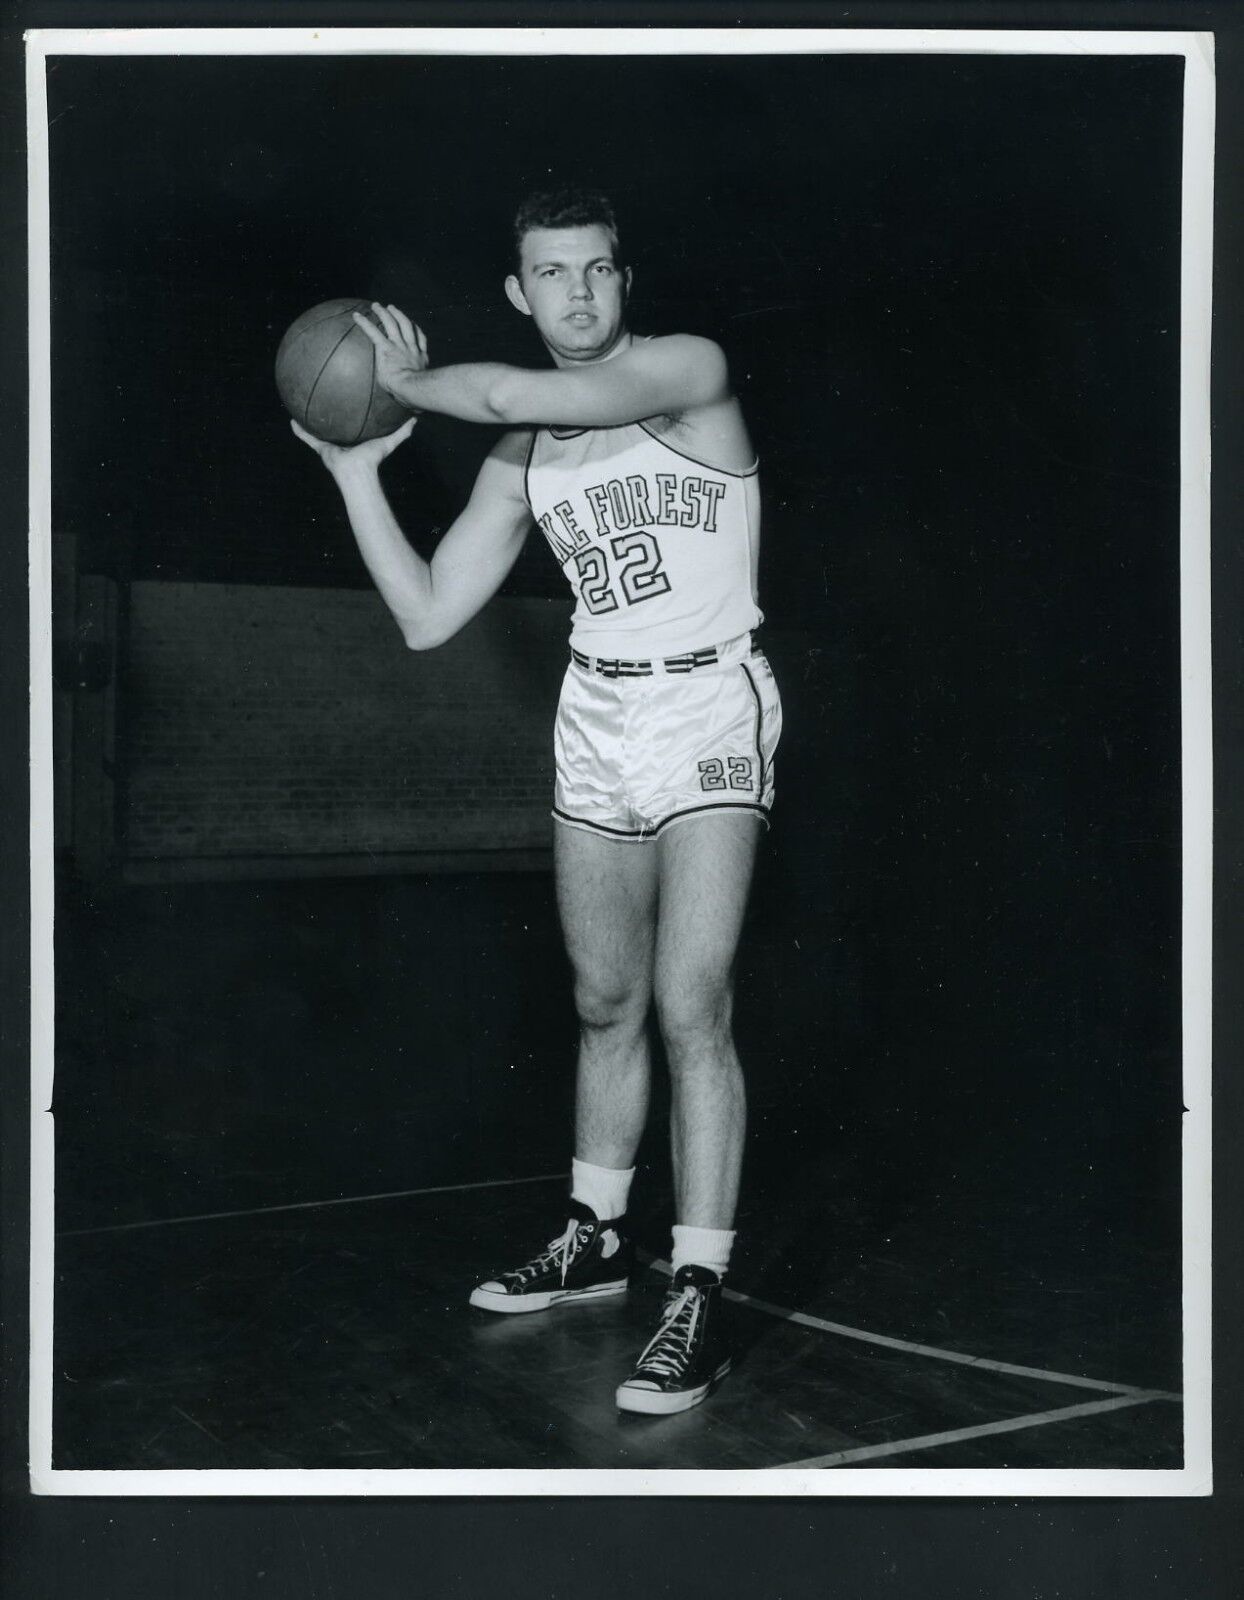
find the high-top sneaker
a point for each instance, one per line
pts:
(687, 1355)
(589, 1260)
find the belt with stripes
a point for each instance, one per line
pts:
(687, 661)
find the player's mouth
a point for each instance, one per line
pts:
(581, 316)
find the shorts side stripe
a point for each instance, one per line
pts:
(760, 753)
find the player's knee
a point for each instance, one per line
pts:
(693, 1013)
(603, 1003)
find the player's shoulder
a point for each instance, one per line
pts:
(689, 347)
(696, 364)
(513, 448)
(504, 468)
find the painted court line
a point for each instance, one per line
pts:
(982, 1363)
(930, 1441)
(311, 1205)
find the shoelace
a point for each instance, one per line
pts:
(670, 1346)
(561, 1251)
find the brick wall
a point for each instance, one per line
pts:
(270, 722)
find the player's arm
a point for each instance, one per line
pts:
(652, 378)
(432, 600)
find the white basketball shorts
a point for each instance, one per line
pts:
(643, 744)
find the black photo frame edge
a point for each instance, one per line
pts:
(65, 1547)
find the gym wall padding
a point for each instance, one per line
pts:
(269, 723)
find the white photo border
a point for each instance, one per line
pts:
(1195, 1476)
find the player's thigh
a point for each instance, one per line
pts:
(706, 867)
(607, 898)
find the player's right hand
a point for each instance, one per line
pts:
(401, 348)
(368, 454)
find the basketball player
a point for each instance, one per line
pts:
(633, 458)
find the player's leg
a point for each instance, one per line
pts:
(606, 894)
(705, 865)
(705, 872)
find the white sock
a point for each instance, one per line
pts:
(702, 1247)
(605, 1189)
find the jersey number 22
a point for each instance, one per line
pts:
(639, 574)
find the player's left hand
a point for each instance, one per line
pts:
(340, 458)
(401, 348)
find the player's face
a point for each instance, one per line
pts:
(574, 290)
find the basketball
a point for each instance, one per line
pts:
(326, 375)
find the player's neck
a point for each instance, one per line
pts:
(592, 359)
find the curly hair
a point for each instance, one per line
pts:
(566, 207)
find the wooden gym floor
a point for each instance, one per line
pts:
(924, 1291)
(338, 1336)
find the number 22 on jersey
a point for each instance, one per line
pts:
(635, 570)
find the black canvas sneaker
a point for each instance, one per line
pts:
(687, 1355)
(589, 1260)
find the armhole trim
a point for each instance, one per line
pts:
(707, 465)
(531, 450)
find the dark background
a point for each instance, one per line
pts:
(949, 313)
(1095, 1550)
(949, 289)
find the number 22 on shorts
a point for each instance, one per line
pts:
(734, 773)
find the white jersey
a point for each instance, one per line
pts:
(657, 547)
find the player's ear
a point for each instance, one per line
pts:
(516, 297)
(628, 283)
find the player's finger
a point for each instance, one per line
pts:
(385, 319)
(307, 438)
(404, 326)
(421, 341)
(389, 443)
(369, 328)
